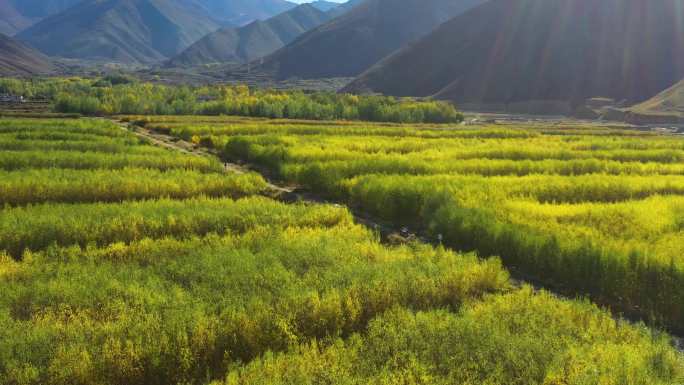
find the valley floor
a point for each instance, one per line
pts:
(123, 262)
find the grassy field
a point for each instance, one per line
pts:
(138, 265)
(589, 210)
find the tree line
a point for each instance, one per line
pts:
(122, 95)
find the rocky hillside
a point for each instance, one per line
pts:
(17, 59)
(130, 31)
(351, 43)
(255, 40)
(511, 51)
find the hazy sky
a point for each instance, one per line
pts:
(308, 1)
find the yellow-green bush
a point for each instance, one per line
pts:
(41, 226)
(514, 339)
(91, 97)
(168, 311)
(588, 210)
(80, 186)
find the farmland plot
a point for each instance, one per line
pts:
(590, 210)
(183, 274)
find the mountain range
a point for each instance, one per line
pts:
(17, 59)
(147, 31)
(349, 44)
(485, 54)
(241, 12)
(323, 5)
(342, 8)
(11, 20)
(255, 40)
(16, 15)
(120, 30)
(509, 51)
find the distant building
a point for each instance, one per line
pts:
(8, 98)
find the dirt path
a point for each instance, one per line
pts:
(389, 233)
(173, 143)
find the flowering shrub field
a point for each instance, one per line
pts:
(593, 211)
(140, 265)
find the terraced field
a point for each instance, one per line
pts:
(587, 210)
(124, 263)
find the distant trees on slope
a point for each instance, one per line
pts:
(108, 96)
